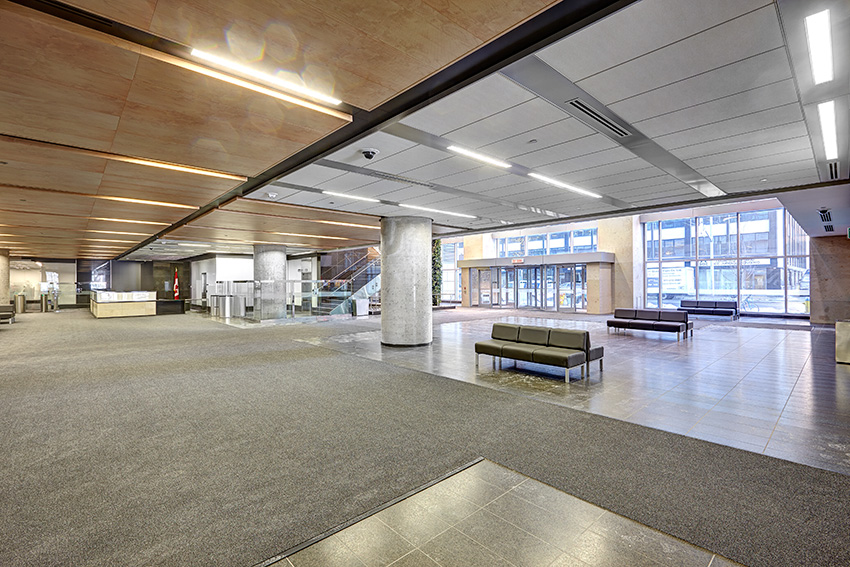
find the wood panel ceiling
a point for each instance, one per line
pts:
(67, 87)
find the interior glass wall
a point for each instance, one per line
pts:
(561, 242)
(757, 258)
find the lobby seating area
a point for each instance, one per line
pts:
(565, 348)
(718, 308)
(664, 320)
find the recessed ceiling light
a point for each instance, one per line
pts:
(118, 232)
(107, 240)
(562, 185)
(437, 211)
(194, 245)
(355, 197)
(310, 235)
(826, 112)
(348, 224)
(479, 157)
(266, 78)
(272, 195)
(763, 180)
(819, 35)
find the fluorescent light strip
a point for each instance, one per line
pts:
(826, 112)
(819, 35)
(557, 183)
(177, 167)
(200, 69)
(266, 78)
(107, 240)
(144, 202)
(355, 197)
(338, 223)
(479, 157)
(130, 221)
(119, 232)
(437, 211)
(310, 235)
(194, 245)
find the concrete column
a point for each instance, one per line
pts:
(4, 277)
(624, 237)
(406, 281)
(270, 266)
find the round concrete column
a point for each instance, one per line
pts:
(270, 265)
(4, 277)
(406, 281)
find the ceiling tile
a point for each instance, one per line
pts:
(751, 139)
(516, 120)
(751, 153)
(386, 144)
(570, 149)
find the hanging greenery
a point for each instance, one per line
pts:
(436, 272)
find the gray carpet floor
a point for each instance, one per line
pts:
(174, 440)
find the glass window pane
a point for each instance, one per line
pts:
(677, 239)
(762, 233)
(536, 244)
(718, 236)
(678, 282)
(460, 250)
(718, 281)
(559, 243)
(448, 254)
(652, 284)
(584, 240)
(516, 246)
(798, 240)
(650, 232)
(762, 285)
(502, 245)
(799, 300)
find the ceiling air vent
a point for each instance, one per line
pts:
(828, 228)
(597, 119)
(825, 215)
(833, 170)
(393, 177)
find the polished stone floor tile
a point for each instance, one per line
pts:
(528, 524)
(732, 383)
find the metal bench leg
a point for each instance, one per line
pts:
(587, 367)
(600, 365)
(567, 374)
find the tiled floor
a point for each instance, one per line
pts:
(763, 385)
(490, 516)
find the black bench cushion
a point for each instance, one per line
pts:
(706, 304)
(520, 351)
(624, 313)
(642, 324)
(555, 356)
(704, 311)
(493, 347)
(689, 303)
(533, 335)
(674, 316)
(669, 326)
(648, 314)
(619, 323)
(505, 332)
(568, 338)
(727, 305)
(728, 312)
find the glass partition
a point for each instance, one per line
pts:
(762, 285)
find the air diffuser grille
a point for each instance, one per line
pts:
(598, 119)
(833, 170)
(829, 228)
(825, 215)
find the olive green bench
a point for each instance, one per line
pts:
(566, 348)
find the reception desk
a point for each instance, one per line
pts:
(123, 303)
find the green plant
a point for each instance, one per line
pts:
(436, 272)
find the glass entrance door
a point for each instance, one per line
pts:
(507, 287)
(484, 289)
(566, 288)
(529, 288)
(550, 289)
(581, 287)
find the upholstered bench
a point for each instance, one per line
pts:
(7, 313)
(566, 348)
(652, 320)
(719, 308)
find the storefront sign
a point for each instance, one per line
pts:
(517, 260)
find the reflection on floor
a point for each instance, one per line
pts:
(768, 386)
(491, 516)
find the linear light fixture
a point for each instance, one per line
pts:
(562, 185)
(310, 235)
(194, 245)
(144, 202)
(479, 157)
(264, 77)
(107, 240)
(437, 211)
(119, 232)
(355, 197)
(826, 113)
(130, 221)
(819, 35)
(338, 223)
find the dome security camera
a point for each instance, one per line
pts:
(369, 153)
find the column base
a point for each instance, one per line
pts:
(405, 345)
